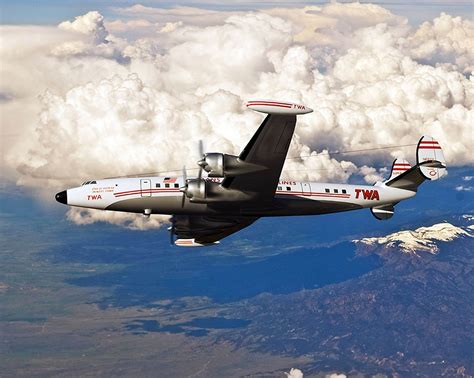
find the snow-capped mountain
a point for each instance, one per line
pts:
(423, 239)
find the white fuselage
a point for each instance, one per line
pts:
(162, 195)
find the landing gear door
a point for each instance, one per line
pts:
(306, 188)
(145, 186)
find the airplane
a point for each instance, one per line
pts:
(238, 190)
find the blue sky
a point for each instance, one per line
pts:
(55, 11)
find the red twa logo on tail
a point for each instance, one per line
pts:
(299, 107)
(370, 195)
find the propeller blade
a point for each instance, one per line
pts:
(201, 153)
(183, 199)
(199, 176)
(201, 148)
(185, 175)
(183, 189)
(171, 230)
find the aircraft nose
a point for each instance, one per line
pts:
(62, 197)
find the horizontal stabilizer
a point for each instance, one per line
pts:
(276, 107)
(431, 165)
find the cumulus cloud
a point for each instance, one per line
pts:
(96, 42)
(128, 220)
(85, 103)
(92, 23)
(447, 40)
(294, 373)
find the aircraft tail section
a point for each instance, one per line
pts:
(430, 165)
(429, 151)
(398, 167)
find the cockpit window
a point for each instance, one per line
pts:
(89, 182)
(93, 182)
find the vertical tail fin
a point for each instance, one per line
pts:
(429, 150)
(398, 167)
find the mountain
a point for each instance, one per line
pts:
(412, 316)
(423, 239)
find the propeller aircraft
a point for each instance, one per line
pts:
(238, 190)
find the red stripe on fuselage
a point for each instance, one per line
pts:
(314, 194)
(278, 106)
(146, 191)
(268, 103)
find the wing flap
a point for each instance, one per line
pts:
(204, 230)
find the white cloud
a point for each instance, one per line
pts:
(92, 24)
(294, 373)
(128, 220)
(462, 188)
(447, 40)
(83, 103)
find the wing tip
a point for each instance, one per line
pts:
(278, 107)
(192, 243)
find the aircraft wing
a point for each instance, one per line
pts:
(198, 230)
(268, 148)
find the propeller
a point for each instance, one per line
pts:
(171, 230)
(201, 153)
(202, 162)
(201, 148)
(184, 189)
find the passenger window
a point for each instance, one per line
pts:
(158, 185)
(288, 188)
(344, 191)
(176, 185)
(279, 188)
(327, 190)
(167, 185)
(336, 191)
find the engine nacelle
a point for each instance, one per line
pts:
(213, 164)
(220, 165)
(202, 191)
(196, 190)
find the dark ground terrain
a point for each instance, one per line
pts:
(98, 300)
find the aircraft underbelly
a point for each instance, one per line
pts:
(159, 205)
(279, 207)
(300, 206)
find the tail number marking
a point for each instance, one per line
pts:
(368, 194)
